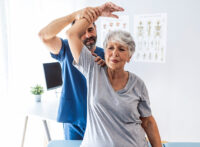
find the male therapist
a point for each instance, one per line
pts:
(72, 107)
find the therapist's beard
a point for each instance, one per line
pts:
(90, 45)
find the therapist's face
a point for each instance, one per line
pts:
(90, 37)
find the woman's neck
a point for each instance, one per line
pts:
(117, 74)
(118, 78)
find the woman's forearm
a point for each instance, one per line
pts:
(75, 33)
(78, 29)
(89, 15)
(74, 37)
(151, 129)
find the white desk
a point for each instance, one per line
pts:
(46, 110)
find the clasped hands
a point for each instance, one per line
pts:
(92, 13)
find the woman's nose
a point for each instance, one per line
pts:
(115, 52)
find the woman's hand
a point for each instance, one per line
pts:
(108, 8)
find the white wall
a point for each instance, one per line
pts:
(173, 86)
(26, 54)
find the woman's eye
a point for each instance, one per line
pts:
(121, 49)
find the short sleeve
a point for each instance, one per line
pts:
(61, 54)
(144, 103)
(100, 52)
(86, 61)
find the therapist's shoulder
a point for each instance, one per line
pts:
(64, 46)
(100, 52)
(99, 49)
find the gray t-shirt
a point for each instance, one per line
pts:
(113, 117)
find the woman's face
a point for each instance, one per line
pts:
(116, 55)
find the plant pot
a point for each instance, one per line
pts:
(38, 98)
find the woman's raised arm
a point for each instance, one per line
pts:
(90, 14)
(78, 29)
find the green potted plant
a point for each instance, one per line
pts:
(37, 91)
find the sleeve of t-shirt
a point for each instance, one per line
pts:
(61, 54)
(86, 61)
(144, 104)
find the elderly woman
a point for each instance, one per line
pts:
(118, 111)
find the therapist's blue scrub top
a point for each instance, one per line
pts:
(73, 105)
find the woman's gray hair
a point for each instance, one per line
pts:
(121, 37)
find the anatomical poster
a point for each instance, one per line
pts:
(150, 35)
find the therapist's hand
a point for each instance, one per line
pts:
(89, 13)
(99, 60)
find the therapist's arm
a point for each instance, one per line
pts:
(48, 34)
(151, 129)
